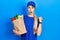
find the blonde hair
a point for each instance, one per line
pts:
(35, 24)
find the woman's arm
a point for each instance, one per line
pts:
(39, 29)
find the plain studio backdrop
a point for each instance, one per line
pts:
(48, 9)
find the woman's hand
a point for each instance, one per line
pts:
(16, 31)
(40, 19)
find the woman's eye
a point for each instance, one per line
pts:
(28, 7)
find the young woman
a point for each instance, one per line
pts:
(31, 23)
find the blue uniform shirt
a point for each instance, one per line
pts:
(29, 24)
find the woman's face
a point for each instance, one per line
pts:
(31, 9)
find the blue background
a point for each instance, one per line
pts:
(48, 9)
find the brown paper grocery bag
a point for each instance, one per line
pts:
(19, 24)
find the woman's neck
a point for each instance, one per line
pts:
(31, 15)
